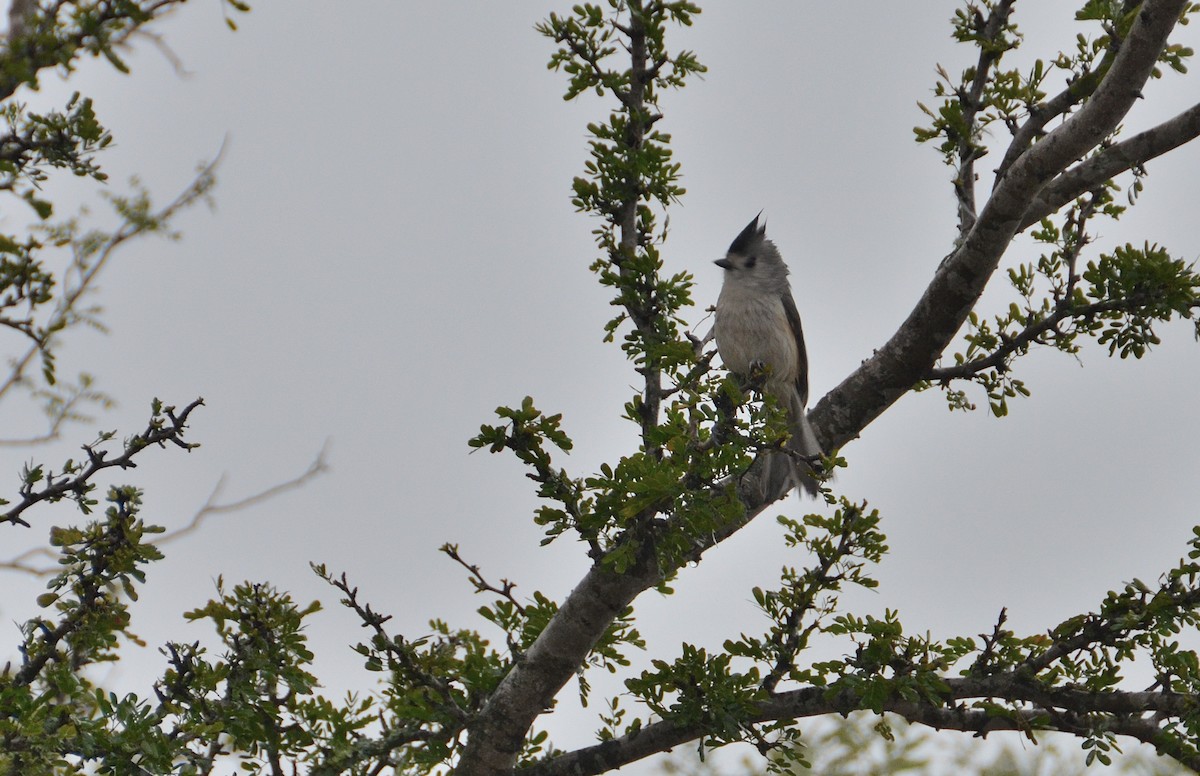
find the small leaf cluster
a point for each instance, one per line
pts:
(33, 145)
(252, 692)
(839, 550)
(706, 441)
(50, 709)
(983, 338)
(887, 664)
(57, 35)
(983, 94)
(1116, 299)
(700, 690)
(1130, 290)
(609, 651)
(695, 450)
(527, 435)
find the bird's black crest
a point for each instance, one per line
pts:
(749, 236)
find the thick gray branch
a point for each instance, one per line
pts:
(531, 685)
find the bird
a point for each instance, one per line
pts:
(758, 331)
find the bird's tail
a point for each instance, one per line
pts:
(797, 465)
(804, 449)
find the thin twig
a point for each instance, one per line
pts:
(126, 232)
(210, 507)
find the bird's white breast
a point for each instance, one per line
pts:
(753, 328)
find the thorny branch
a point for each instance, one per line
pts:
(480, 583)
(791, 639)
(395, 647)
(56, 488)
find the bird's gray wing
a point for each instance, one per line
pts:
(793, 316)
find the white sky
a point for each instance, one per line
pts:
(394, 254)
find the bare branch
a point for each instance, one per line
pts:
(160, 42)
(318, 466)
(22, 562)
(61, 411)
(211, 507)
(505, 590)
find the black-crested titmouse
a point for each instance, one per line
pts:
(758, 330)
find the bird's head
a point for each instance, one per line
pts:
(754, 261)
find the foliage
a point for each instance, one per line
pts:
(1120, 295)
(448, 698)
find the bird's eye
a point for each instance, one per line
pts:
(750, 261)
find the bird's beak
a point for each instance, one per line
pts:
(724, 263)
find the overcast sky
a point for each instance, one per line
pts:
(393, 254)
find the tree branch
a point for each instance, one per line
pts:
(1065, 710)
(38, 39)
(156, 433)
(529, 688)
(968, 151)
(1076, 91)
(627, 218)
(1121, 157)
(893, 370)
(129, 229)
(497, 734)
(210, 507)
(1065, 308)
